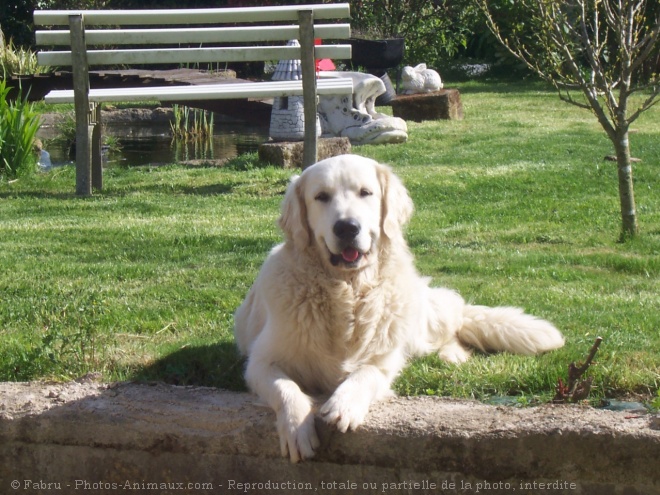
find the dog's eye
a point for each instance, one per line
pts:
(365, 192)
(323, 197)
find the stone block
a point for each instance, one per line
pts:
(290, 154)
(442, 104)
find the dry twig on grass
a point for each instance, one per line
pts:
(576, 389)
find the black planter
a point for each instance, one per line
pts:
(377, 54)
(390, 92)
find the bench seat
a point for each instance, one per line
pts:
(270, 89)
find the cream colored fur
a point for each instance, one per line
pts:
(317, 323)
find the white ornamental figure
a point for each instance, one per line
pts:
(419, 79)
(356, 118)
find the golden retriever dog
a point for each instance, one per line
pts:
(339, 308)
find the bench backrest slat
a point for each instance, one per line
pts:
(193, 55)
(192, 16)
(170, 36)
(181, 36)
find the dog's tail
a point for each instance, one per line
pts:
(507, 329)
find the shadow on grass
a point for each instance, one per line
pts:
(113, 189)
(39, 194)
(207, 190)
(501, 86)
(217, 365)
(217, 189)
(122, 181)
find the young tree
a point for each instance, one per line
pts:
(594, 47)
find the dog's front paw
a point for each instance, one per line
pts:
(344, 410)
(298, 438)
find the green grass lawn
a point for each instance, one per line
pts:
(514, 206)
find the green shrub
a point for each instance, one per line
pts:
(19, 123)
(18, 60)
(434, 31)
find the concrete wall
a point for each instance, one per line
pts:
(128, 438)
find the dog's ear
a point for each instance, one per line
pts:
(397, 206)
(293, 218)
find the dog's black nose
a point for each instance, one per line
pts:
(346, 229)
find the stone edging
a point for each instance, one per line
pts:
(99, 438)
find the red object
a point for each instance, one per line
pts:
(325, 63)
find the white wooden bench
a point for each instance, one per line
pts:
(81, 39)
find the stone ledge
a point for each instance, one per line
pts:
(109, 436)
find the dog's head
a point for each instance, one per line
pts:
(345, 207)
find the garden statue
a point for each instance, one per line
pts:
(419, 79)
(357, 118)
(340, 116)
(287, 119)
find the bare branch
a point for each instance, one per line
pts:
(652, 100)
(646, 45)
(597, 47)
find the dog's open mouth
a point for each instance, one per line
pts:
(349, 257)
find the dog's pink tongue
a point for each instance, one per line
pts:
(350, 254)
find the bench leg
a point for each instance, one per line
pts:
(81, 102)
(308, 67)
(95, 143)
(83, 158)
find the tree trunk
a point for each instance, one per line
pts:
(626, 193)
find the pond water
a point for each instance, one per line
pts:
(149, 143)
